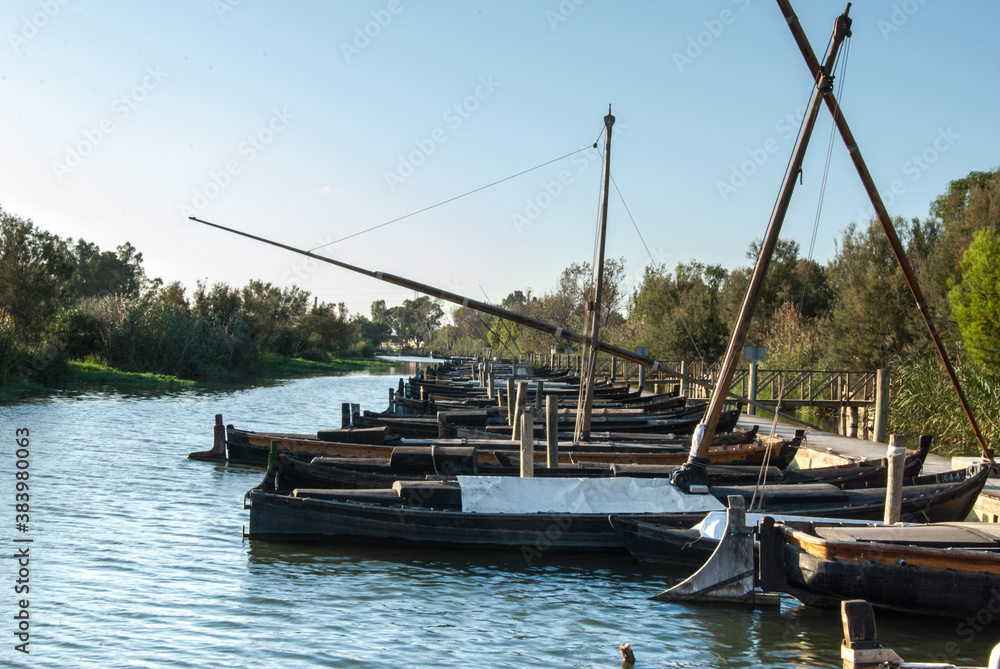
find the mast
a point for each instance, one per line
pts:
(584, 408)
(884, 219)
(693, 471)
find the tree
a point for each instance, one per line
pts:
(99, 273)
(872, 317)
(35, 268)
(975, 301)
(677, 315)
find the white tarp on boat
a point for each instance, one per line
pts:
(507, 494)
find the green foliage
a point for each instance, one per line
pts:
(12, 354)
(98, 273)
(80, 332)
(677, 315)
(975, 302)
(142, 334)
(872, 320)
(923, 401)
(35, 269)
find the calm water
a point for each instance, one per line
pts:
(138, 560)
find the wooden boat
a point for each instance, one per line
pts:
(248, 446)
(947, 569)
(679, 422)
(930, 498)
(445, 463)
(430, 514)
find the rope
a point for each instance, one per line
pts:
(451, 199)
(762, 478)
(673, 297)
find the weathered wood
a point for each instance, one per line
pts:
(861, 648)
(345, 415)
(527, 443)
(894, 483)
(551, 432)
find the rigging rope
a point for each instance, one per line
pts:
(652, 262)
(451, 199)
(762, 477)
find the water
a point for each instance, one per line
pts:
(138, 560)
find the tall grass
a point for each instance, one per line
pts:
(923, 401)
(140, 334)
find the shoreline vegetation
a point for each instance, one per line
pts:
(70, 310)
(90, 373)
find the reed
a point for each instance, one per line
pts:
(923, 401)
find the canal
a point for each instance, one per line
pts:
(137, 559)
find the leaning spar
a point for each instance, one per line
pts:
(485, 308)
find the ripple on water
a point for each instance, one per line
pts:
(141, 563)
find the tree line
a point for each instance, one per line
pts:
(63, 299)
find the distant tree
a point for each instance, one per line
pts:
(35, 268)
(218, 305)
(99, 273)
(872, 317)
(677, 314)
(975, 302)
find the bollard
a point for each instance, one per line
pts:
(519, 404)
(527, 443)
(552, 432)
(510, 401)
(894, 481)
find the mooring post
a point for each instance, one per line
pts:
(881, 405)
(510, 401)
(392, 401)
(642, 377)
(539, 394)
(528, 443)
(894, 482)
(489, 383)
(519, 407)
(852, 423)
(345, 415)
(552, 432)
(684, 382)
(753, 387)
(861, 648)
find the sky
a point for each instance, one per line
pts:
(311, 122)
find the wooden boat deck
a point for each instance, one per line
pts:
(825, 448)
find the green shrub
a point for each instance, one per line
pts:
(12, 355)
(80, 331)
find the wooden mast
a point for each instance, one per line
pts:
(883, 218)
(589, 370)
(693, 471)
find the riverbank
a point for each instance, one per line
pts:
(88, 373)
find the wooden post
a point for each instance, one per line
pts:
(392, 401)
(528, 443)
(489, 383)
(684, 383)
(753, 386)
(614, 369)
(539, 394)
(552, 432)
(519, 404)
(345, 415)
(642, 377)
(894, 483)
(510, 401)
(881, 405)
(852, 423)
(861, 647)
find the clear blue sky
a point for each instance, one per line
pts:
(310, 121)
